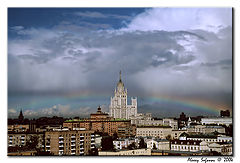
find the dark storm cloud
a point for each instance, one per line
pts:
(100, 55)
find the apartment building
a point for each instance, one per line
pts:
(20, 138)
(69, 142)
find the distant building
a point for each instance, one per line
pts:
(159, 144)
(100, 122)
(18, 127)
(217, 120)
(225, 113)
(21, 117)
(66, 142)
(134, 152)
(119, 107)
(205, 129)
(155, 131)
(186, 145)
(223, 148)
(124, 143)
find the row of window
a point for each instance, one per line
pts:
(179, 147)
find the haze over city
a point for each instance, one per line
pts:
(66, 62)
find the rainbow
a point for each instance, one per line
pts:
(193, 103)
(196, 104)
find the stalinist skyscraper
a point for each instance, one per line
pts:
(119, 107)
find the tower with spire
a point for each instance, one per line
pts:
(119, 107)
(21, 117)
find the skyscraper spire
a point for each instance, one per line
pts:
(120, 76)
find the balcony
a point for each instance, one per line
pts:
(61, 145)
(60, 142)
(73, 136)
(60, 137)
(73, 149)
(92, 143)
(81, 148)
(22, 137)
(81, 136)
(81, 152)
(72, 145)
(73, 153)
(47, 150)
(10, 137)
(60, 150)
(92, 135)
(92, 147)
(48, 146)
(73, 141)
(81, 140)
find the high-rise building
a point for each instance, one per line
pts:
(119, 107)
(66, 142)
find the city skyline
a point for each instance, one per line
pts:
(66, 62)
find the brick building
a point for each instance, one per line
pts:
(101, 122)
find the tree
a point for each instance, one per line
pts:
(107, 143)
(132, 146)
(93, 152)
(168, 137)
(142, 144)
(154, 146)
(32, 142)
(115, 136)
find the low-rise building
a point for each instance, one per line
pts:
(18, 128)
(134, 152)
(20, 139)
(124, 143)
(158, 144)
(69, 142)
(186, 145)
(205, 129)
(155, 131)
(221, 147)
(217, 120)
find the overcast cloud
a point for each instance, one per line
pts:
(181, 52)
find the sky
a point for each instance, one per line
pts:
(66, 61)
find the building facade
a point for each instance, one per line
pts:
(218, 120)
(134, 152)
(66, 142)
(154, 131)
(100, 122)
(158, 144)
(119, 107)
